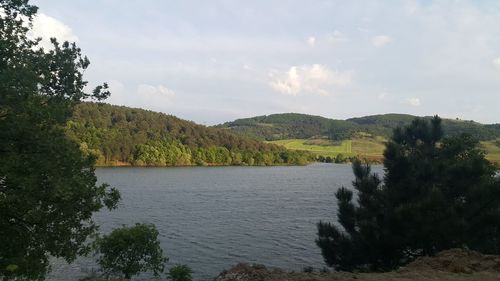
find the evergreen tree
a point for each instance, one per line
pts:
(436, 194)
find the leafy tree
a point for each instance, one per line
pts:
(436, 194)
(180, 273)
(131, 250)
(48, 189)
(117, 134)
(303, 126)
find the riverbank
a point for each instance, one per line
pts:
(455, 264)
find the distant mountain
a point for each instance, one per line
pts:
(303, 126)
(119, 135)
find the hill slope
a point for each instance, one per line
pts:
(119, 135)
(280, 126)
(303, 126)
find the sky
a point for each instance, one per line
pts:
(215, 61)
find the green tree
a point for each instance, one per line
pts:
(436, 194)
(127, 251)
(180, 272)
(48, 189)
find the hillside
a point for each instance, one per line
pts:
(382, 125)
(303, 126)
(362, 136)
(119, 135)
(280, 126)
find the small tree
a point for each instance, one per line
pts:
(127, 251)
(180, 272)
(436, 194)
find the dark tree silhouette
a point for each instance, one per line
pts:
(436, 194)
(48, 189)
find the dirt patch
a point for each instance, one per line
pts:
(455, 264)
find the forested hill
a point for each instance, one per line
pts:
(119, 135)
(280, 126)
(302, 126)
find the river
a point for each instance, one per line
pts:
(211, 218)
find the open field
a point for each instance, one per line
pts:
(492, 150)
(369, 148)
(319, 146)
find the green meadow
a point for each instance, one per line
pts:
(319, 146)
(492, 149)
(371, 148)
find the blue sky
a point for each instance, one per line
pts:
(215, 61)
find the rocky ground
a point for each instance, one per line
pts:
(455, 264)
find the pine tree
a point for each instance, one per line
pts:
(436, 194)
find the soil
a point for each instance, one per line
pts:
(454, 264)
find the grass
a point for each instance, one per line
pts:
(318, 146)
(492, 150)
(371, 148)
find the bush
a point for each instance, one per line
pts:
(180, 273)
(127, 251)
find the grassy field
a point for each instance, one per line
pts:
(320, 147)
(492, 150)
(369, 148)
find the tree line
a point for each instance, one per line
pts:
(118, 134)
(303, 126)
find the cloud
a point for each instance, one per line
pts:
(154, 92)
(47, 27)
(337, 37)
(309, 79)
(311, 41)
(382, 95)
(145, 96)
(412, 101)
(381, 40)
(496, 62)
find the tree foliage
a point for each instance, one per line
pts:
(48, 189)
(436, 194)
(127, 251)
(180, 272)
(145, 138)
(303, 126)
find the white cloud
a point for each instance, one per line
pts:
(145, 96)
(496, 62)
(412, 101)
(47, 27)
(382, 95)
(309, 79)
(381, 40)
(311, 41)
(154, 92)
(337, 37)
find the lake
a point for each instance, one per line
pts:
(212, 218)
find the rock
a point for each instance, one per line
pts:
(454, 264)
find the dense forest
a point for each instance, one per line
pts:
(118, 135)
(302, 126)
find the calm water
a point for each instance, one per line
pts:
(211, 218)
